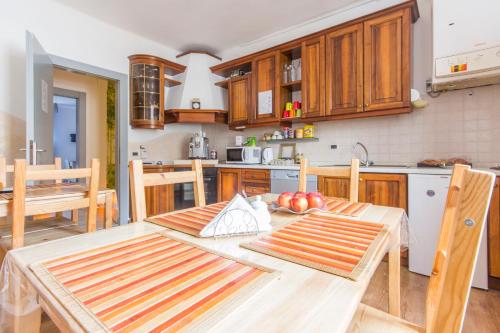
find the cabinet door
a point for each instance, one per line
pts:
(334, 187)
(494, 232)
(229, 183)
(313, 78)
(265, 80)
(239, 100)
(344, 70)
(387, 61)
(384, 189)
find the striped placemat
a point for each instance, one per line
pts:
(153, 283)
(344, 207)
(327, 243)
(190, 221)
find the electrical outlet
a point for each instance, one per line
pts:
(333, 147)
(135, 154)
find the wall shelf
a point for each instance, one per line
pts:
(171, 83)
(290, 140)
(295, 85)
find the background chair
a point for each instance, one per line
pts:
(5, 169)
(450, 282)
(352, 173)
(138, 180)
(23, 207)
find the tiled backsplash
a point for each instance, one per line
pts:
(464, 123)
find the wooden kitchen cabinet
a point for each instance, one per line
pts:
(344, 70)
(384, 189)
(376, 188)
(265, 77)
(313, 77)
(228, 183)
(494, 234)
(160, 198)
(387, 61)
(240, 100)
(256, 181)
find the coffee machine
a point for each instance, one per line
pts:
(198, 146)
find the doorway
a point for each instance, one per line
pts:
(39, 112)
(69, 127)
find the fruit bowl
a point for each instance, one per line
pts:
(276, 207)
(299, 202)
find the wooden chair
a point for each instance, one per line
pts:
(5, 169)
(22, 207)
(352, 173)
(139, 180)
(450, 282)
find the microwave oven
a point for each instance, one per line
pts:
(243, 155)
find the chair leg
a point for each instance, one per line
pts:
(108, 210)
(74, 216)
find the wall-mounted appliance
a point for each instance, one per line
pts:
(466, 44)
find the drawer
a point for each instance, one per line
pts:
(255, 189)
(255, 175)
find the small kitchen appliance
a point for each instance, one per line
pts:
(198, 146)
(267, 155)
(243, 155)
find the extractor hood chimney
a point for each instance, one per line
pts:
(198, 82)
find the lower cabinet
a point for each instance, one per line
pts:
(233, 180)
(376, 188)
(494, 234)
(159, 199)
(228, 183)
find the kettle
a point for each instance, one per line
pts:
(267, 155)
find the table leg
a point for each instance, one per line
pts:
(395, 275)
(108, 210)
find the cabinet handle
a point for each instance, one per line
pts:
(366, 105)
(360, 179)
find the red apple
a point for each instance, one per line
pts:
(300, 194)
(315, 200)
(284, 199)
(299, 203)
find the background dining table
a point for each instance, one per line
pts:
(301, 299)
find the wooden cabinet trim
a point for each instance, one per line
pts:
(235, 102)
(494, 232)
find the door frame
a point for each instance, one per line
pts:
(81, 126)
(121, 126)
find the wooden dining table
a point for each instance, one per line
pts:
(52, 193)
(301, 299)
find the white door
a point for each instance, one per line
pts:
(39, 108)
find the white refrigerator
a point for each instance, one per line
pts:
(426, 202)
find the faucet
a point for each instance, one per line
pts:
(366, 161)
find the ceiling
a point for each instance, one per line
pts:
(212, 25)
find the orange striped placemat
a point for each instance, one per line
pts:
(190, 221)
(153, 283)
(327, 243)
(344, 207)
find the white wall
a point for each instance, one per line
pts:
(463, 123)
(63, 32)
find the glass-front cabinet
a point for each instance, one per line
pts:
(147, 89)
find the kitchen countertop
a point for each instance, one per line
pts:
(399, 169)
(372, 169)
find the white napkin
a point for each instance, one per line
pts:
(238, 217)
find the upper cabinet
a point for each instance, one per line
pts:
(147, 89)
(344, 70)
(360, 68)
(387, 61)
(313, 77)
(265, 77)
(240, 100)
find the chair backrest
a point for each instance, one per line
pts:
(9, 168)
(139, 180)
(462, 226)
(23, 207)
(351, 172)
